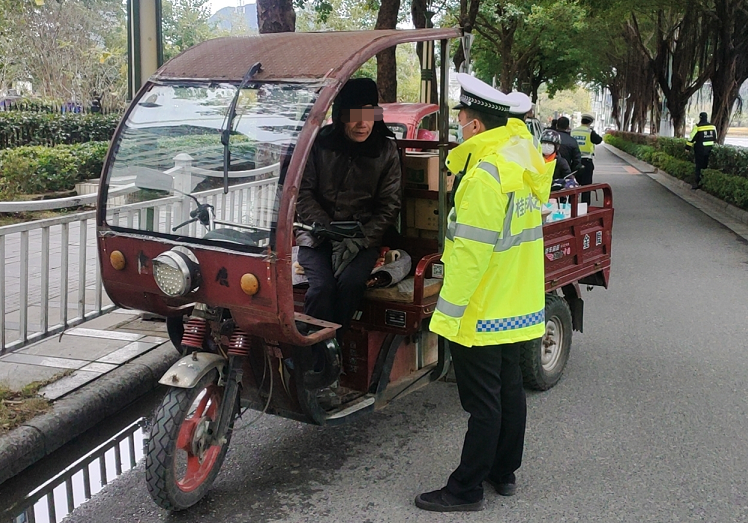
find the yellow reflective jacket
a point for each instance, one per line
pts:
(583, 136)
(494, 291)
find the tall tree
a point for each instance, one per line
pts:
(677, 49)
(276, 16)
(730, 60)
(386, 60)
(184, 24)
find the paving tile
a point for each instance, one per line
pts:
(17, 375)
(126, 353)
(99, 367)
(68, 384)
(108, 335)
(107, 321)
(74, 347)
(127, 312)
(154, 339)
(45, 361)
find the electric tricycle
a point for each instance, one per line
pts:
(196, 220)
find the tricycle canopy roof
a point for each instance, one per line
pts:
(305, 57)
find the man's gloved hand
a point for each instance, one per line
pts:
(344, 252)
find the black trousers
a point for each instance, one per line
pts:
(489, 381)
(701, 160)
(332, 299)
(584, 177)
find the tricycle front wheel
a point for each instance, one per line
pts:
(180, 464)
(543, 360)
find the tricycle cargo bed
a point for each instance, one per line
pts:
(577, 249)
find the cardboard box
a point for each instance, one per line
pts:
(422, 171)
(426, 214)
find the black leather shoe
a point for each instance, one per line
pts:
(443, 501)
(503, 489)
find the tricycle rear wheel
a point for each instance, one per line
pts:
(543, 360)
(180, 465)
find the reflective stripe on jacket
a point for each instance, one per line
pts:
(583, 137)
(494, 290)
(702, 136)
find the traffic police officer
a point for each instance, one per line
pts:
(586, 138)
(702, 139)
(523, 106)
(493, 297)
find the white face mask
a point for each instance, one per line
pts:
(547, 148)
(460, 137)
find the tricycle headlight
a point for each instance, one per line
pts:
(175, 273)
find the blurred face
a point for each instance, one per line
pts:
(470, 127)
(358, 123)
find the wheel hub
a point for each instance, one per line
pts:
(552, 343)
(200, 438)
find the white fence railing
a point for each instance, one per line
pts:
(49, 272)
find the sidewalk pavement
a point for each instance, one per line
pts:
(115, 359)
(732, 217)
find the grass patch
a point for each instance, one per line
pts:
(19, 406)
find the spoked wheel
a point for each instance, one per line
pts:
(543, 360)
(180, 465)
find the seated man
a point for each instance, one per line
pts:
(353, 174)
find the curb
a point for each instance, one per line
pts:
(734, 218)
(75, 413)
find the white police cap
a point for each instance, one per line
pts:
(479, 96)
(524, 103)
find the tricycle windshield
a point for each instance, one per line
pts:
(171, 154)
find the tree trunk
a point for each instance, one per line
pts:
(731, 66)
(386, 61)
(468, 14)
(418, 16)
(276, 16)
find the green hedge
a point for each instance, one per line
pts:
(20, 128)
(726, 158)
(37, 169)
(669, 155)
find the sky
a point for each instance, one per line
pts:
(215, 5)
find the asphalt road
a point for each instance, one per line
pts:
(649, 423)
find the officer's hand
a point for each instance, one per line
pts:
(344, 252)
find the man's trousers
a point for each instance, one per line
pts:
(489, 381)
(584, 177)
(335, 299)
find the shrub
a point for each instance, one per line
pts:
(730, 160)
(19, 128)
(36, 169)
(732, 189)
(675, 147)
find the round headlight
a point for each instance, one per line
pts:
(175, 273)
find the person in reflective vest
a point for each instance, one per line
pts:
(702, 139)
(493, 296)
(586, 138)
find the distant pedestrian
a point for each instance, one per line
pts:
(702, 139)
(554, 124)
(569, 148)
(586, 138)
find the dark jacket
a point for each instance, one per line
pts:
(569, 149)
(562, 168)
(343, 183)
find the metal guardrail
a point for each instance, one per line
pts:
(50, 277)
(62, 203)
(37, 288)
(58, 497)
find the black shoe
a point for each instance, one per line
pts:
(443, 501)
(694, 187)
(503, 489)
